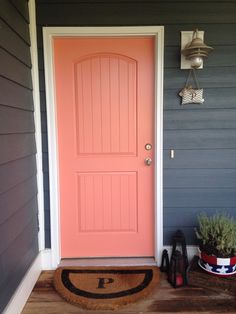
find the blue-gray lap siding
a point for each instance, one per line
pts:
(18, 189)
(202, 176)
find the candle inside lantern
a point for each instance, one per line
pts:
(179, 280)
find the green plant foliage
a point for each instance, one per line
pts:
(217, 234)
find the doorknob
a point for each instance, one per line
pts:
(148, 161)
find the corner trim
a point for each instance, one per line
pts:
(48, 34)
(37, 121)
(21, 295)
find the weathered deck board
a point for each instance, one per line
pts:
(164, 299)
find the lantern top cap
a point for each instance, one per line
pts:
(196, 46)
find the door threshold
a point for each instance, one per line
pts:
(110, 261)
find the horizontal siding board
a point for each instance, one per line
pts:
(222, 56)
(15, 70)
(16, 121)
(16, 172)
(210, 77)
(16, 261)
(188, 216)
(176, 218)
(214, 98)
(141, 13)
(20, 250)
(215, 34)
(22, 7)
(18, 182)
(11, 42)
(17, 197)
(188, 232)
(16, 146)
(14, 95)
(199, 119)
(200, 178)
(203, 197)
(15, 20)
(17, 223)
(172, 57)
(200, 139)
(200, 159)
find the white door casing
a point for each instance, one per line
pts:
(48, 34)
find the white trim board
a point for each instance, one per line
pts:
(48, 34)
(37, 121)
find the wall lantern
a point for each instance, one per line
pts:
(193, 49)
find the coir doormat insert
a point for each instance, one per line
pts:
(105, 287)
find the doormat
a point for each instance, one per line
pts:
(105, 288)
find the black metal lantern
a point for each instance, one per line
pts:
(165, 263)
(177, 273)
(179, 241)
(179, 261)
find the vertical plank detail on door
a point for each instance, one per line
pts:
(105, 92)
(113, 205)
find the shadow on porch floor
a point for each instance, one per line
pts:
(164, 299)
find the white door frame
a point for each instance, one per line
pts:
(48, 34)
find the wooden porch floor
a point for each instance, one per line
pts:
(164, 299)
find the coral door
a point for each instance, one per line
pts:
(105, 118)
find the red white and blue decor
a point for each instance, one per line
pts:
(216, 265)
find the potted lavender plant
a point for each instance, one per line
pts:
(217, 244)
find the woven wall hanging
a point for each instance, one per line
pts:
(191, 94)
